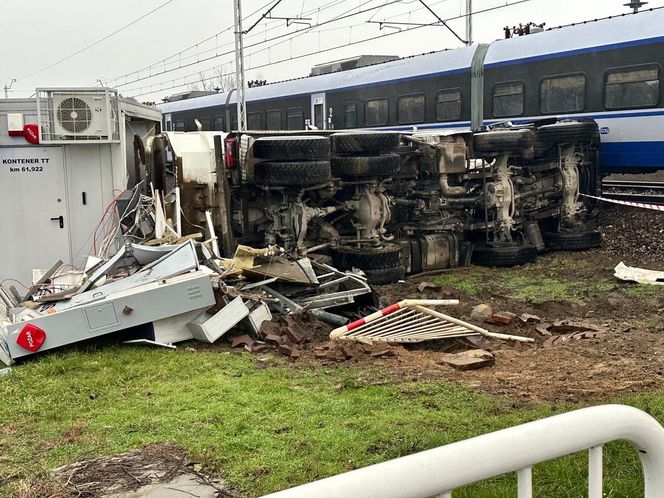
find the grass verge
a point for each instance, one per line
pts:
(553, 277)
(263, 425)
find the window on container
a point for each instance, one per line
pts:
(179, 126)
(508, 99)
(219, 123)
(351, 115)
(563, 94)
(169, 126)
(411, 109)
(295, 118)
(448, 105)
(634, 87)
(273, 119)
(375, 112)
(254, 120)
(206, 123)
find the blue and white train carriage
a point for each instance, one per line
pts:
(609, 70)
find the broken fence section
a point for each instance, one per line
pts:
(411, 321)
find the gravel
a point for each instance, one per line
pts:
(634, 235)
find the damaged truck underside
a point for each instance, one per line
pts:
(387, 203)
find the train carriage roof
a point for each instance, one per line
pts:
(626, 30)
(584, 37)
(406, 68)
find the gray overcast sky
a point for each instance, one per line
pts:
(36, 34)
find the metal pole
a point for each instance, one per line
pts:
(8, 86)
(239, 67)
(469, 22)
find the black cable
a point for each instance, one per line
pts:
(151, 90)
(98, 41)
(284, 35)
(465, 42)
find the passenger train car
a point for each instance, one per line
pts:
(609, 70)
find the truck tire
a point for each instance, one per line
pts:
(370, 142)
(518, 143)
(292, 173)
(383, 165)
(504, 256)
(307, 148)
(572, 240)
(367, 258)
(383, 276)
(570, 132)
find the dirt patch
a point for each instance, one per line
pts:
(124, 473)
(622, 354)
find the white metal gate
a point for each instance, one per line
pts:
(33, 210)
(517, 449)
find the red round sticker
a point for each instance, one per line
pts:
(31, 133)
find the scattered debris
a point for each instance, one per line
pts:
(528, 318)
(638, 275)
(502, 318)
(481, 312)
(559, 338)
(469, 360)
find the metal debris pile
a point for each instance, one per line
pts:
(161, 288)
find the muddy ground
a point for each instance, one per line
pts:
(625, 357)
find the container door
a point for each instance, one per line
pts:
(319, 117)
(34, 221)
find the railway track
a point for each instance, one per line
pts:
(650, 192)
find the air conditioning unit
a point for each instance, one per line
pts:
(78, 115)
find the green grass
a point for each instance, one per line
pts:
(553, 277)
(263, 426)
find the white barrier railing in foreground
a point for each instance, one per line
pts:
(517, 449)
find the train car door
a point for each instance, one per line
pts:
(318, 114)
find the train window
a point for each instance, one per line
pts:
(411, 109)
(508, 99)
(179, 126)
(632, 87)
(254, 121)
(448, 105)
(351, 115)
(295, 118)
(563, 94)
(206, 123)
(273, 119)
(219, 123)
(375, 112)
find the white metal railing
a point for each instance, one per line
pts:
(517, 449)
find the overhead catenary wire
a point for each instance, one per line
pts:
(115, 79)
(149, 89)
(89, 46)
(288, 38)
(443, 22)
(347, 14)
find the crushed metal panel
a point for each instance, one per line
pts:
(136, 306)
(209, 329)
(253, 322)
(175, 329)
(180, 260)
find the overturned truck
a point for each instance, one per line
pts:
(388, 203)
